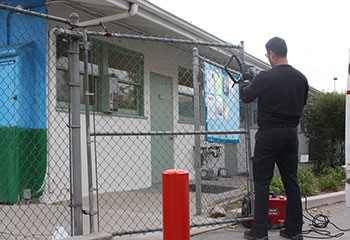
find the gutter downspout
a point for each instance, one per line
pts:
(96, 22)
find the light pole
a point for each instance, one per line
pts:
(335, 79)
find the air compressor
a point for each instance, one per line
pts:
(277, 210)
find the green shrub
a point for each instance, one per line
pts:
(331, 181)
(321, 169)
(324, 122)
(328, 179)
(306, 182)
(277, 186)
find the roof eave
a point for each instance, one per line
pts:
(157, 15)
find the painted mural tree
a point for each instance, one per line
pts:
(324, 121)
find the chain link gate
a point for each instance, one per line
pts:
(151, 113)
(152, 101)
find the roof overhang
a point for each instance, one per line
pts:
(154, 20)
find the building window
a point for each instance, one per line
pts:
(125, 73)
(115, 78)
(186, 96)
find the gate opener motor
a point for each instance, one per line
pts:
(277, 210)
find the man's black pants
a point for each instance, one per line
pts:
(276, 145)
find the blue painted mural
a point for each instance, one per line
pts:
(23, 41)
(221, 105)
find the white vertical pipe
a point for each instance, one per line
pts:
(347, 138)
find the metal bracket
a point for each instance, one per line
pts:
(86, 46)
(73, 52)
(74, 84)
(74, 126)
(75, 205)
(87, 212)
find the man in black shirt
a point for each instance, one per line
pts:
(282, 93)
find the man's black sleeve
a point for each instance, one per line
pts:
(248, 91)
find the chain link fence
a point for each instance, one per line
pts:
(128, 107)
(34, 145)
(144, 122)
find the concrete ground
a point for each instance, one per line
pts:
(332, 205)
(142, 209)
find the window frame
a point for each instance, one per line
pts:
(186, 119)
(100, 79)
(92, 78)
(140, 84)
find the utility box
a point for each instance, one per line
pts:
(22, 144)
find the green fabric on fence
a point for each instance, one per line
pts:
(22, 162)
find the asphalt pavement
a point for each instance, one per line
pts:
(337, 213)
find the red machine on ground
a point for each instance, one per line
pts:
(277, 210)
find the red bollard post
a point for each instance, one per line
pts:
(176, 205)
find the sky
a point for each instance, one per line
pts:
(317, 32)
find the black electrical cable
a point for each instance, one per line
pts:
(228, 71)
(321, 221)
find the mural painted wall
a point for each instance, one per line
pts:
(23, 144)
(221, 105)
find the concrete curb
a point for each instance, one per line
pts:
(324, 199)
(93, 236)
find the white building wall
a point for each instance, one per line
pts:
(124, 162)
(158, 58)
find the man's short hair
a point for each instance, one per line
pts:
(278, 46)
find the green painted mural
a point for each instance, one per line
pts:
(23, 162)
(23, 123)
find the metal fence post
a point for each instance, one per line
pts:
(74, 92)
(248, 142)
(197, 139)
(87, 95)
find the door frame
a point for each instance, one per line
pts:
(156, 80)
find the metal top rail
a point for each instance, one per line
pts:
(62, 31)
(159, 133)
(160, 39)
